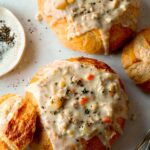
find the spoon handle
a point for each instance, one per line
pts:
(148, 146)
(142, 143)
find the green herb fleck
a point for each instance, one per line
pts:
(87, 111)
(85, 91)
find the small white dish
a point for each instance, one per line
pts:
(13, 56)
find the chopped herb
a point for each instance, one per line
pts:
(72, 82)
(89, 124)
(87, 111)
(85, 91)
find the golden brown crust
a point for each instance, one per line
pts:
(91, 42)
(3, 145)
(21, 127)
(136, 59)
(98, 64)
(41, 140)
(19, 130)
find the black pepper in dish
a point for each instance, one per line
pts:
(7, 38)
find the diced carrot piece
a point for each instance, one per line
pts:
(107, 119)
(83, 101)
(90, 77)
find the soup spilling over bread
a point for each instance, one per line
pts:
(83, 16)
(78, 101)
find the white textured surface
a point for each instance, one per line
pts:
(45, 48)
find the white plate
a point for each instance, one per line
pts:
(41, 52)
(12, 56)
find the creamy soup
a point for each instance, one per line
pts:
(85, 15)
(78, 101)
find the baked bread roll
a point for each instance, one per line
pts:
(136, 59)
(91, 26)
(17, 122)
(81, 103)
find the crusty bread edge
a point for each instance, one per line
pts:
(11, 135)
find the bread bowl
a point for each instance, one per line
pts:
(91, 26)
(81, 103)
(136, 59)
(17, 122)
